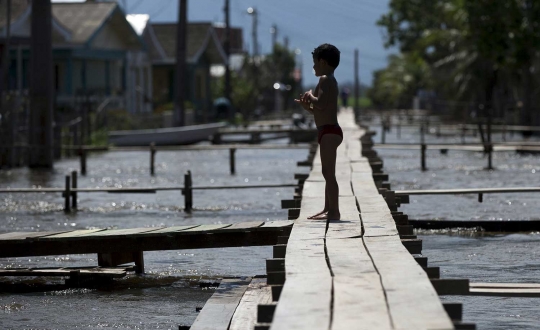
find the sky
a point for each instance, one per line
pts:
(347, 24)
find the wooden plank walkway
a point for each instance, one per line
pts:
(354, 273)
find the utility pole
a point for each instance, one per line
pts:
(227, 46)
(254, 13)
(4, 84)
(41, 86)
(356, 85)
(274, 32)
(286, 42)
(179, 111)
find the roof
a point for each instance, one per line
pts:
(18, 7)
(201, 37)
(77, 22)
(83, 19)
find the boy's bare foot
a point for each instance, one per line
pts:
(318, 214)
(323, 216)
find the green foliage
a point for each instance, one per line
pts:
(396, 85)
(467, 44)
(245, 89)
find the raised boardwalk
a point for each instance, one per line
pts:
(354, 273)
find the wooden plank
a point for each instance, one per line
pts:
(219, 309)
(17, 236)
(71, 234)
(240, 226)
(505, 292)
(119, 232)
(505, 285)
(307, 273)
(206, 228)
(245, 315)
(114, 273)
(304, 303)
(378, 223)
(412, 300)
(363, 184)
(359, 301)
(173, 229)
(350, 224)
(278, 224)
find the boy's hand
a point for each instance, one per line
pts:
(306, 96)
(304, 104)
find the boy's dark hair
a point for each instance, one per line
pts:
(329, 53)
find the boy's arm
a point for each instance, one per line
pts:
(320, 100)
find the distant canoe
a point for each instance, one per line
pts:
(165, 136)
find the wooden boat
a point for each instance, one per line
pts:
(165, 136)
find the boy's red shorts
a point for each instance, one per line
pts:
(329, 129)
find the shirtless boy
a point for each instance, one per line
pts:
(322, 103)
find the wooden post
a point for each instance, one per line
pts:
(399, 129)
(188, 192)
(232, 162)
(423, 152)
(67, 195)
(504, 132)
(489, 148)
(489, 145)
(383, 133)
(74, 193)
(82, 152)
(422, 129)
(41, 86)
(152, 157)
(181, 67)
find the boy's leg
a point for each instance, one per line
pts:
(329, 145)
(322, 214)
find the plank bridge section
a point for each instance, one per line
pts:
(119, 246)
(354, 273)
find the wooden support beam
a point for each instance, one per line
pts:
(275, 265)
(290, 203)
(432, 272)
(276, 292)
(265, 312)
(279, 250)
(294, 213)
(454, 310)
(451, 286)
(276, 277)
(414, 246)
(422, 261)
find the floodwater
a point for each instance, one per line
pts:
(168, 294)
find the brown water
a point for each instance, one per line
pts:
(167, 295)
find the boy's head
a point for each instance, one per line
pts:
(325, 59)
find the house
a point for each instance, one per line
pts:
(96, 52)
(203, 49)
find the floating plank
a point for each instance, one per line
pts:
(245, 315)
(505, 292)
(412, 300)
(219, 309)
(505, 285)
(359, 301)
(97, 272)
